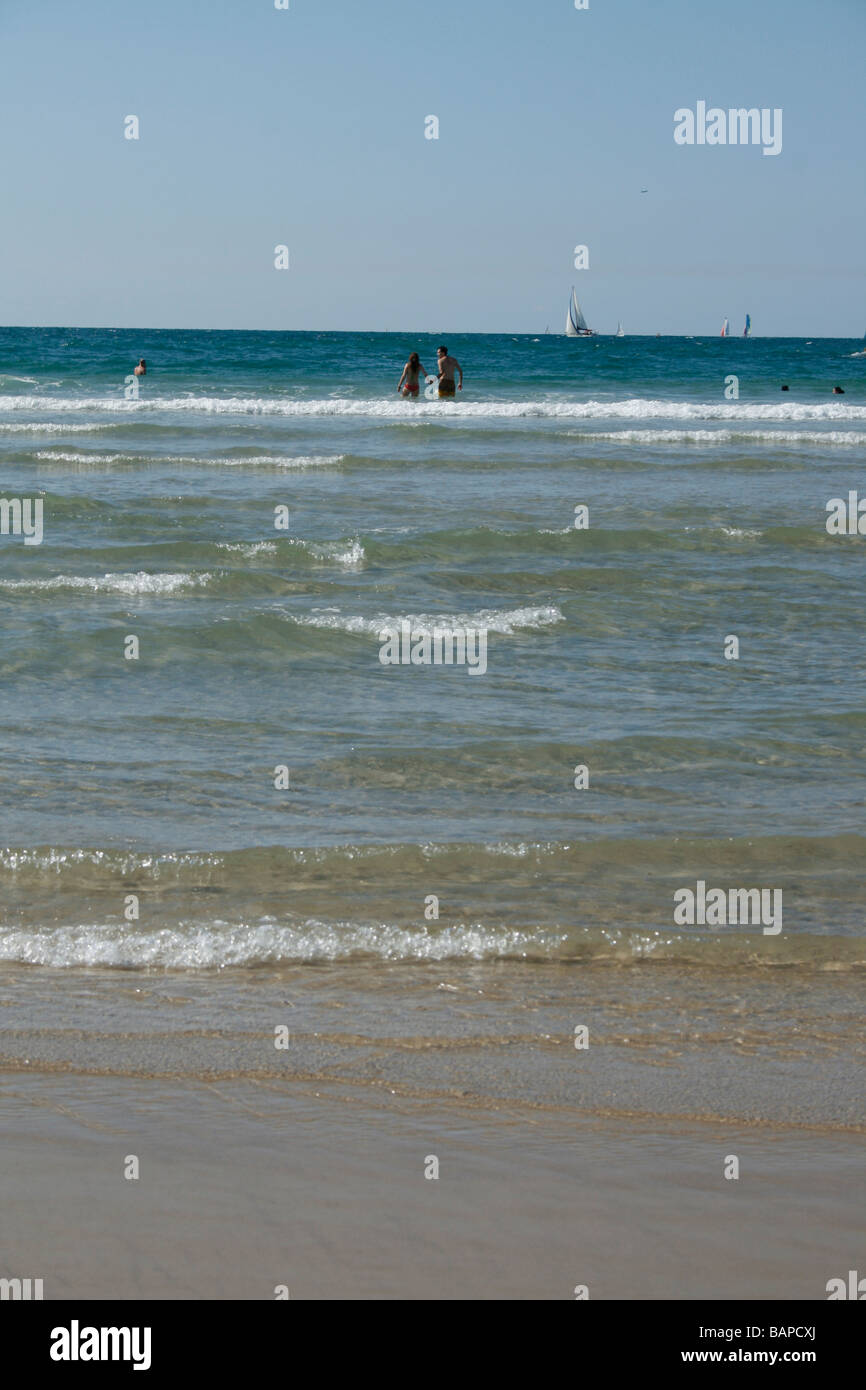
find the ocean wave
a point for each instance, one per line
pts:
(631, 408)
(207, 909)
(736, 532)
(140, 583)
(506, 621)
(49, 861)
(48, 427)
(219, 944)
(254, 461)
(722, 436)
(348, 553)
(76, 456)
(222, 944)
(249, 549)
(84, 867)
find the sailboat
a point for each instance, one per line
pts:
(619, 333)
(725, 333)
(747, 331)
(575, 324)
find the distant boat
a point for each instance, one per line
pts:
(747, 331)
(619, 333)
(725, 331)
(575, 324)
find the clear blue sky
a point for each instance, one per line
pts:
(306, 127)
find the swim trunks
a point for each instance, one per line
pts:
(447, 388)
(410, 390)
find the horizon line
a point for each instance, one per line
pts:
(424, 332)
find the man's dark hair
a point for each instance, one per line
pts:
(443, 349)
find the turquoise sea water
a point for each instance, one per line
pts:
(260, 647)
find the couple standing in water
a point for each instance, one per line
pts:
(409, 382)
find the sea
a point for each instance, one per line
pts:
(208, 772)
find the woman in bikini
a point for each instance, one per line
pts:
(409, 384)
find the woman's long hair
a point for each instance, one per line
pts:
(414, 361)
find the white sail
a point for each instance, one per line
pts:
(619, 332)
(575, 323)
(724, 332)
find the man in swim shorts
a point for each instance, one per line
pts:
(447, 367)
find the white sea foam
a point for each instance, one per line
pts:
(56, 859)
(257, 460)
(76, 456)
(248, 549)
(268, 461)
(139, 583)
(503, 620)
(349, 554)
(722, 436)
(49, 427)
(222, 944)
(734, 531)
(630, 409)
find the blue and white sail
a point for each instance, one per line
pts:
(747, 331)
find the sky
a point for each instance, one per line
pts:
(306, 128)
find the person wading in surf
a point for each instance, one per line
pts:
(447, 367)
(409, 385)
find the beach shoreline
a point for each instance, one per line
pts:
(305, 1166)
(244, 1188)
(454, 901)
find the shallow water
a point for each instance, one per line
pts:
(260, 647)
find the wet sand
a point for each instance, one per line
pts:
(244, 1187)
(306, 1167)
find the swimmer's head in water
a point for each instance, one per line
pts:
(838, 391)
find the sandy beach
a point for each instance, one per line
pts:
(432, 777)
(306, 1167)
